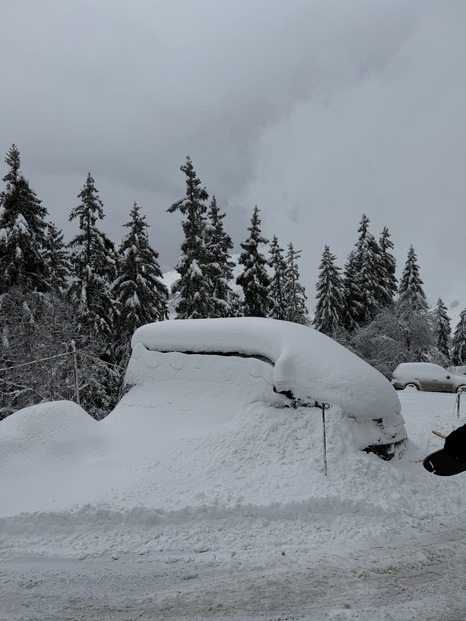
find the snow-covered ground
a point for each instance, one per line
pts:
(196, 500)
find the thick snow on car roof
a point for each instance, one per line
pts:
(307, 363)
(411, 369)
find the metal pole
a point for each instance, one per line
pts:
(324, 407)
(75, 369)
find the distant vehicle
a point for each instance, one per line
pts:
(427, 376)
(303, 366)
(461, 370)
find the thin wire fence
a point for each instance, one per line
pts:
(68, 383)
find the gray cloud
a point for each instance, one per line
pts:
(316, 111)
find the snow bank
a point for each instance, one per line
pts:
(49, 455)
(164, 474)
(199, 472)
(205, 457)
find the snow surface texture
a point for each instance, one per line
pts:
(195, 499)
(310, 365)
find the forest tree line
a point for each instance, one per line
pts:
(89, 295)
(383, 320)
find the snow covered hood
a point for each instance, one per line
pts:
(307, 363)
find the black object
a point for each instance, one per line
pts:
(452, 458)
(443, 464)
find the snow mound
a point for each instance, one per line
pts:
(52, 429)
(186, 459)
(47, 451)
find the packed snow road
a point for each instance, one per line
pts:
(399, 578)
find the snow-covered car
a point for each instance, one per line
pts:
(294, 366)
(427, 376)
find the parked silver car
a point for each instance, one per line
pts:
(427, 376)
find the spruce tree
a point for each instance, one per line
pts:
(193, 288)
(442, 328)
(386, 268)
(351, 293)
(94, 268)
(139, 291)
(365, 302)
(277, 295)
(57, 259)
(36, 323)
(93, 262)
(254, 278)
(22, 232)
(458, 353)
(411, 296)
(294, 291)
(219, 266)
(329, 313)
(413, 312)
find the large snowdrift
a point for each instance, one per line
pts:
(166, 453)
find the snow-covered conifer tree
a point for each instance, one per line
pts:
(351, 293)
(277, 295)
(93, 263)
(366, 288)
(254, 278)
(94, 268)
(219, 266)
(328, 317)
(22, 232)
(411, 296)
(386, 280)
(413, 312)
(35, 324)
(442, 328)
(193, 289)
(57, 259)
(458, 353)
(139, 291)
(294, 292)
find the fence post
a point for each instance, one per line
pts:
(75, 370)
(325, 406)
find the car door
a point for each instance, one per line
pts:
(435, 379)
(431, 384)
(449, 383)
(443, 381)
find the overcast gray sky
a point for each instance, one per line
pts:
(316, 111)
